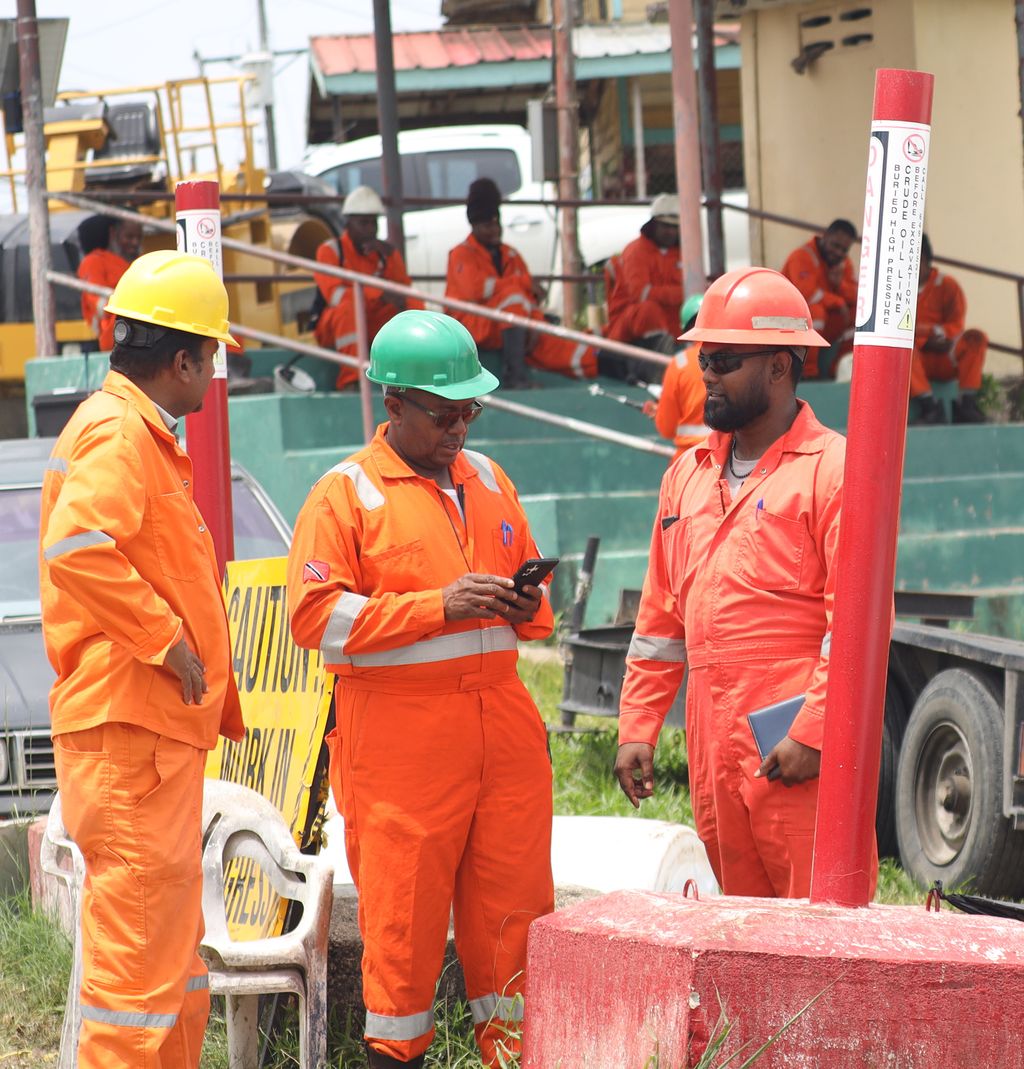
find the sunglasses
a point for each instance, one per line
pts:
(727, 363)
(446, 420)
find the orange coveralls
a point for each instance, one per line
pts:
(439, 761)
(741, 591)
(646, 291)
(104, 268)
(473, 277)
(337, 326)
(832, 309)
(941, 313)
(127, 569)
(680, 412)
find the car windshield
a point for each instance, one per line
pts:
(19, 550)
(255, 534)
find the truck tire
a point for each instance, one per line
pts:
(949, 787)
(893, 727)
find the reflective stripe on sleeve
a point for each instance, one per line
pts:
(339, 626)
(369, 496)
(198, 983)
(345, 339)
(653, 648)
(577, 360)
(56, 464)
(689, 429)
(73, 542)
(645, 292)
(338, 295)
(816, 296)
(826, 644)
(412, 1026)
(128, 1019)
(443, 648)
(513, 299)
(484, 468)
(500, 1007)
(489, 287)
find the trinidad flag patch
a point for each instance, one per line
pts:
(316, 571)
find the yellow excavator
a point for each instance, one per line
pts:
(129, 147)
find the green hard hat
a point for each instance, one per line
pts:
(429, 351)
(691, 306)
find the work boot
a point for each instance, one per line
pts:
(930, 411)
(967, 410)
(514, 373)
(376, 1060)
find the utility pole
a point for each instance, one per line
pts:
(268, 108)
(387, 121)
(568, 149)
(1018, 12)
(711, 160)
(35, 177)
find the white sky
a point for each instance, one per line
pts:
(132, 42)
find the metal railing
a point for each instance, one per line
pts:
(361, 361)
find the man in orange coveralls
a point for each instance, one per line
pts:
(679, 412)
(358, 249)
(943, 350)
(109, 247)
(822, 272)
(484, 271)
(740, 588)
(134, 624)
(399, 573)
(645, 286)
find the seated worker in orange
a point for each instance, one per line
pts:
(135, 628)
(484, 271)
(821, 270)
(740, 589)
(358, 249)
(943, 350)
(109, 246)
(399, 574)
(679, 411)
(644, 288)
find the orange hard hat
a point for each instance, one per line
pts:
(754, 306)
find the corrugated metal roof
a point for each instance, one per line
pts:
(470, 46)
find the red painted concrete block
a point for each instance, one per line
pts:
(632, 980)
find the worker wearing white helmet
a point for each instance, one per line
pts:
(358, 249)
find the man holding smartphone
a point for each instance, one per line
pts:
(739, 589)
(400, 572)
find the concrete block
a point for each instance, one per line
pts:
(634, 979)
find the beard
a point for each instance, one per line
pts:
(722, 414)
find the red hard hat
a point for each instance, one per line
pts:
(751, 306)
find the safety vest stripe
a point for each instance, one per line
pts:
(128, 1019)
(340, 624)
(653, 648)
(198, 983)
(690, 429)
(645, 292)
(73, 542)
(499, 1007)
(369, 496)
(489, 287)
(56, 464)
(443, 648)
(484, 468)
(412, 1026)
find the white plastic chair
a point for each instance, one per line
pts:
(60, 858)
(238, 822)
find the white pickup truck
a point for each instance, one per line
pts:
(441, 162)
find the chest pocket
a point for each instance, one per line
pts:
(179, 546)
(676, 539)
(771, 552)
(398, 569)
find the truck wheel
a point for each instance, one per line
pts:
(949, 786)
(893, 726)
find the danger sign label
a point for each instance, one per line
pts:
(891, 236)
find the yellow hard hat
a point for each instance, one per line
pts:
(174, 290)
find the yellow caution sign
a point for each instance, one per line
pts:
(285, 705)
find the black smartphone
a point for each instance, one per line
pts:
(533, 572)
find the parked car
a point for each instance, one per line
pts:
(441, 162)
(27, 779)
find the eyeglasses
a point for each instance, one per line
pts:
(727, 363)
(446, 420)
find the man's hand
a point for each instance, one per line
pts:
(185, 664)
(650, 408)
(835, 275)
(634, 769)
(477, 597)
(938, 343)
(521, 608)
(792, 762)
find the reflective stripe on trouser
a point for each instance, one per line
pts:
(759, 834)
(638, 320)
(565, 357)
(447, 803)
(132, 801)
(336, 329)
